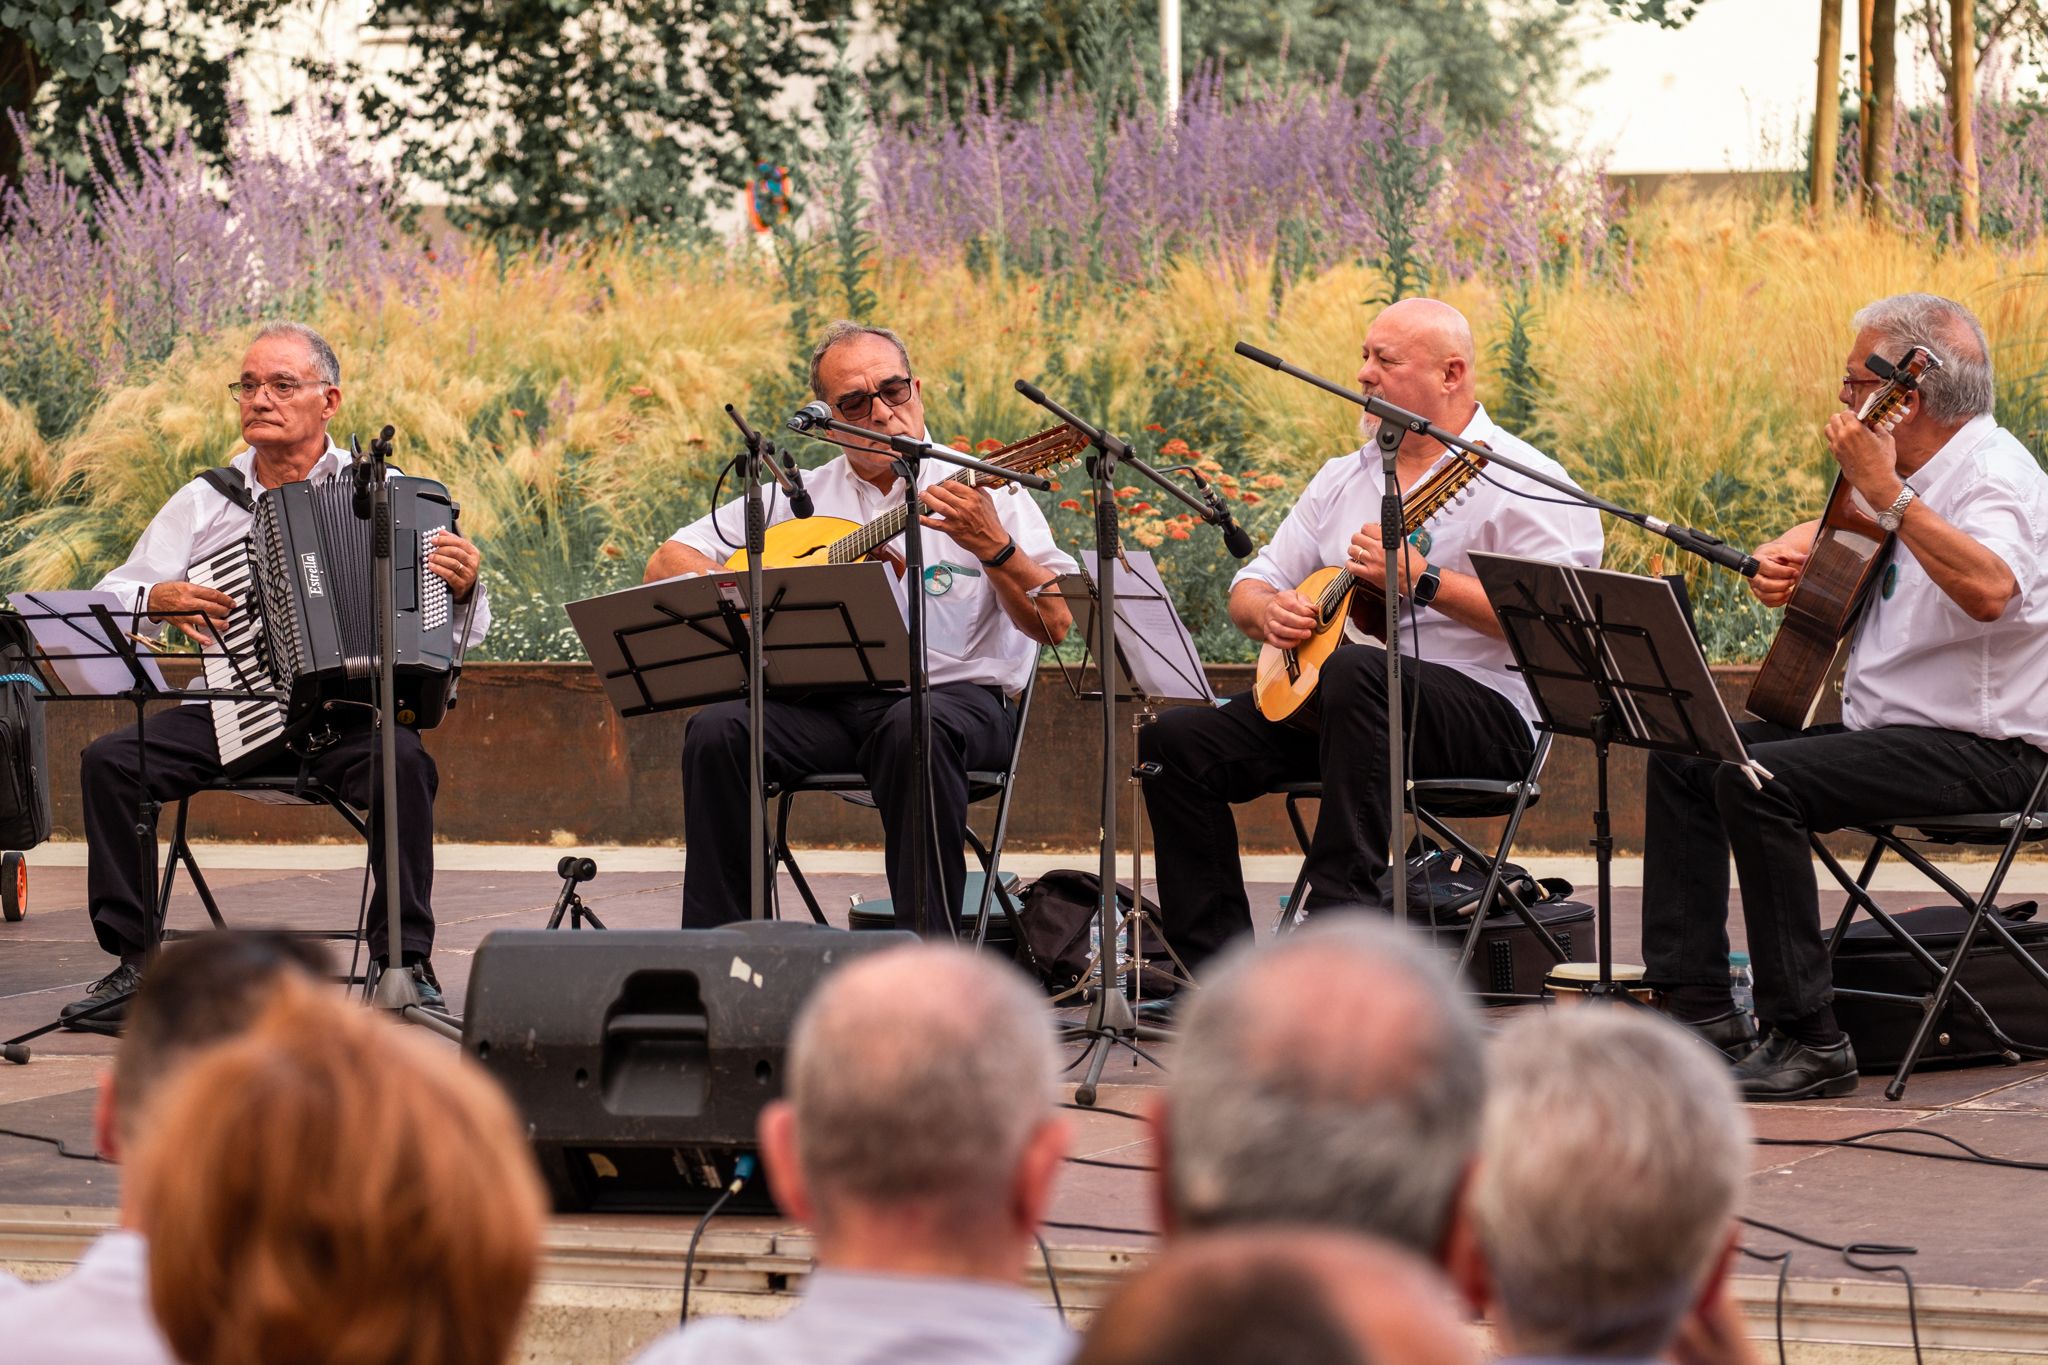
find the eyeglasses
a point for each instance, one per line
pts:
(1849, 383)
(283, 390)
(855, 407)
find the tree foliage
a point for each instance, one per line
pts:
(546, 116)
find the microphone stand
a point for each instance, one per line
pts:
(760, 453)
(1396, 423)
(1110, 1022)
(395, 990)
(910, 452)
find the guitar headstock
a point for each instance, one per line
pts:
(1433, 494)
(1883, 409)
(1034, 454)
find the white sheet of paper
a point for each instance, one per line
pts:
(85, 661)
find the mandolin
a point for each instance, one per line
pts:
(835, 540)
(1848, 549)
(1285, 687)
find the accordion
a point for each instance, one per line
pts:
(304, 623)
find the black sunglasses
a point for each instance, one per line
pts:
(856, 406)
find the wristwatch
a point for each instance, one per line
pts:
(1423, 591)
(1890, 518)
(1001, 556)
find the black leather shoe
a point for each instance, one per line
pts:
(1784, 1069)
(1734, 1033)
(117, 985)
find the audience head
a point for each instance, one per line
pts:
(329, 1188)
(1280, 1296)
(1333, 1078)
(198, 992)
(920, 1110)
(1612, 1154)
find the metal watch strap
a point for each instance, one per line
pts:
(1891, 518)
(1001, 556)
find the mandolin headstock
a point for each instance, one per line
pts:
(1034, 454)
(1883, 409)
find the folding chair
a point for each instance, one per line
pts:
(1436, 801)
(982, 785)
(287, 789)
(2006, 831)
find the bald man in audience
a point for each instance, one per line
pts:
(1472, 716)
(919, 1141)
(1612, 1159)
(1302, 1296)
(1334, 1079)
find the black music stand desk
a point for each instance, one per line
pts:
(682, 641)
(1609, 657)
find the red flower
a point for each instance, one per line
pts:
(1154, 426)
(1174, 447)
(1177, 532)
(988, 443)
(1070, 505)
(1249, 497)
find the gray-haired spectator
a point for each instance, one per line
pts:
(919, 1140)
(1332, 1079)
(1281, 1296)
(1612, 1158)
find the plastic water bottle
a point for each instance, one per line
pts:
(1742, 983)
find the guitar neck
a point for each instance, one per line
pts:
(860, 544)
(1424, 501)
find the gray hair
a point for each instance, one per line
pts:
(1332, 1079)
(1612, 1157)
(845, 330)
(1961, 388)
(921, 1074)
(324, 360)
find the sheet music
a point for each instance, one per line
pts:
(78, 652)
(1156, 656)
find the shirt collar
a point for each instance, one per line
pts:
(326, 467)
(1967, 438)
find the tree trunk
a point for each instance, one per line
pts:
(1962, 108)
(1827, 109)
(1864, 24)
(22, 73)
(1884, 32)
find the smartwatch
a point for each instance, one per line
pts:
(1002, 556)
(1423, 590)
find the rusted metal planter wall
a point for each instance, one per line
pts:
(533, 754)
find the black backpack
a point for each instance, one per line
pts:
(24, 757)
(1055, 915)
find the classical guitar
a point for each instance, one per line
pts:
(835, 540)
(1285, 686)
(1848, 549)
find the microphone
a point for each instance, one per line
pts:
(809, 415)
(359, 468)
(1236, 539)
(799, 497)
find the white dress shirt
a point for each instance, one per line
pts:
(1495, 512)
(199, 521)
(99, 1312)
(1917, 657)
(968, 635)
(862, 1319)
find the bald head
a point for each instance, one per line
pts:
(920, 1074)
(1418, 354)
(1333, 1078)
(1439, 330)
(1294, 1295)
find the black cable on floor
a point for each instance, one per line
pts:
(1103, 1227)
(1045, 1255)
(63, 1148)
(1098, 1109)
(1110, 1165)
(1849, 1254)
(743, 1171)
(1855, 1142)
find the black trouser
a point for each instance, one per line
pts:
(864, 732)
(182, 758)
(1697, 811)
(1213, 758)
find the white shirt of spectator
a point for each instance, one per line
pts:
(1497, 514)
(199, 521)
(969, 638)
(99, 1312)
(1917, 657)
(866, 1319)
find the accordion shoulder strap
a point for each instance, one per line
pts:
(229, 483)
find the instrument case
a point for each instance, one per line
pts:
(1510, 960)
(24, 759)
(1869, 959)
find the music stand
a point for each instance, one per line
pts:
(81, 643)
(1609, 657)
(683, 641)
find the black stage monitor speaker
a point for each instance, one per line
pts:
(640, 1058)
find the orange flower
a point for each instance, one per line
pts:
(641, 391)
(1154, 426)
(1127, 492)
(518, 412)
(1055, 484)
(988, 443)
(1174, 447)
(1250, 497)
(1141, 507)
(1270, 481)
(1070, 505)
(1177, 532)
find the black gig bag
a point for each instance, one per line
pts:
(24, 756)
(1869, 959)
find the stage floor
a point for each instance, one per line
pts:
(1979, 1233)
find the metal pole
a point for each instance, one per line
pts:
(1169, 59)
